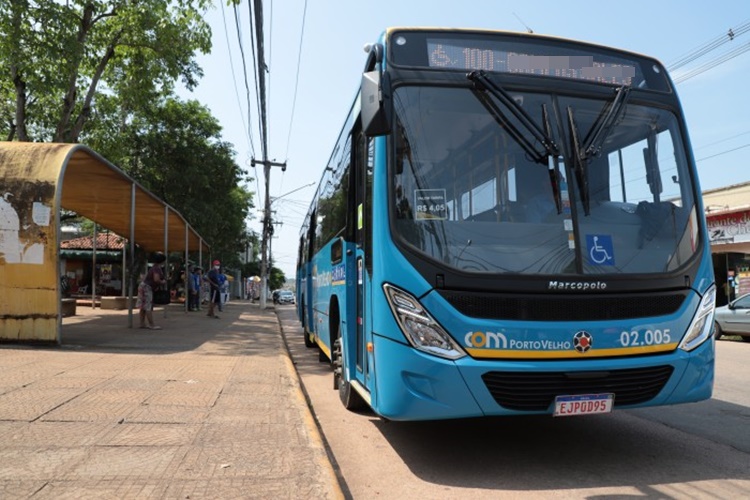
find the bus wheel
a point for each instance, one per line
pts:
(308, 341)
(348, 396)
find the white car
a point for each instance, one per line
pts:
(286, 297)
(734, 318)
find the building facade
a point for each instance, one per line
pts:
(728, 218)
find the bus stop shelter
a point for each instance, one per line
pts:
(37, 180)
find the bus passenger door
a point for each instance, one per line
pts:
(363, 232)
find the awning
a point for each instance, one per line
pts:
(97, 190)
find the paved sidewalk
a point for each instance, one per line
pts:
(203, 408)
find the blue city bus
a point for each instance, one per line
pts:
(509, 224)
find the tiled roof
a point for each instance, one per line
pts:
(104, 241)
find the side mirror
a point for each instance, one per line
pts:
(375, 104)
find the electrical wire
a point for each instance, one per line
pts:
(717, 42)
(296, 81)
(712, 63)
(234, 80)
(723, 152)
(244, 70)
(722, 140)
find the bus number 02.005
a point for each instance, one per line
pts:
(648, 337)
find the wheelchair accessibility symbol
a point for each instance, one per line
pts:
(600, 249)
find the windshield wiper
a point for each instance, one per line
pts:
(553, 164)
(605, 122)
(583, 153)
(579, 163)
(483, 84)
(550, 155)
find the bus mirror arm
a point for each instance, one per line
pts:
(375, 103)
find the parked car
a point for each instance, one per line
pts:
(286, 297)
(734, 318)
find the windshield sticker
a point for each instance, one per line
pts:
(600, 250)
(430, 204)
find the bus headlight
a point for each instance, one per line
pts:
(419, 328)
(700, 328)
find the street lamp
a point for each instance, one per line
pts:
(264, 247)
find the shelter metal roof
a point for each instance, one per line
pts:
(98, 190)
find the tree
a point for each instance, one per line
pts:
(63, 57)
(174, 149)
(104, 71)
(276, 278)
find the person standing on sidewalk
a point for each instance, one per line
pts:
(194, 289)
(214, 282)
(153, 280)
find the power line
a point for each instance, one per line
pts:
(234, 79)
(723, 152)
(296, 80)
(713, 63)
(722, 140)
(244, 68)
(717, 42)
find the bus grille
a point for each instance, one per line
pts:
(567, 308)
(536, 391)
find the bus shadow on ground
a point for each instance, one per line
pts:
(634, 448)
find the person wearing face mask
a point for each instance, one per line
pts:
(214, 281)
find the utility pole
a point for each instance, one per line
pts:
(267, 228)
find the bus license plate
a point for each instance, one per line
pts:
(583, 404)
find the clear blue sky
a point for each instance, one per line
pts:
(716, 102)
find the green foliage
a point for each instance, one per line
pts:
(276, 278)
(104, 72)
(174, 149)
(63, 57)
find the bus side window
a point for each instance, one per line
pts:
(337, 251)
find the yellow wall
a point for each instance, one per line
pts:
(29, 277)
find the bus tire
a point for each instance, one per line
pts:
(308, 341)
(349, 397)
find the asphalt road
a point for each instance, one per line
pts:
(699, 450)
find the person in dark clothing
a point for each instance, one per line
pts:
(215, 283)
(194, 289)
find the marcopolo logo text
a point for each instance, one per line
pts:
(576, 285)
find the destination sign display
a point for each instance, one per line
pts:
(523, 54)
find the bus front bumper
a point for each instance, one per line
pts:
(412, 385)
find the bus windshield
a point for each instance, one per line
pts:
(473, 188)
